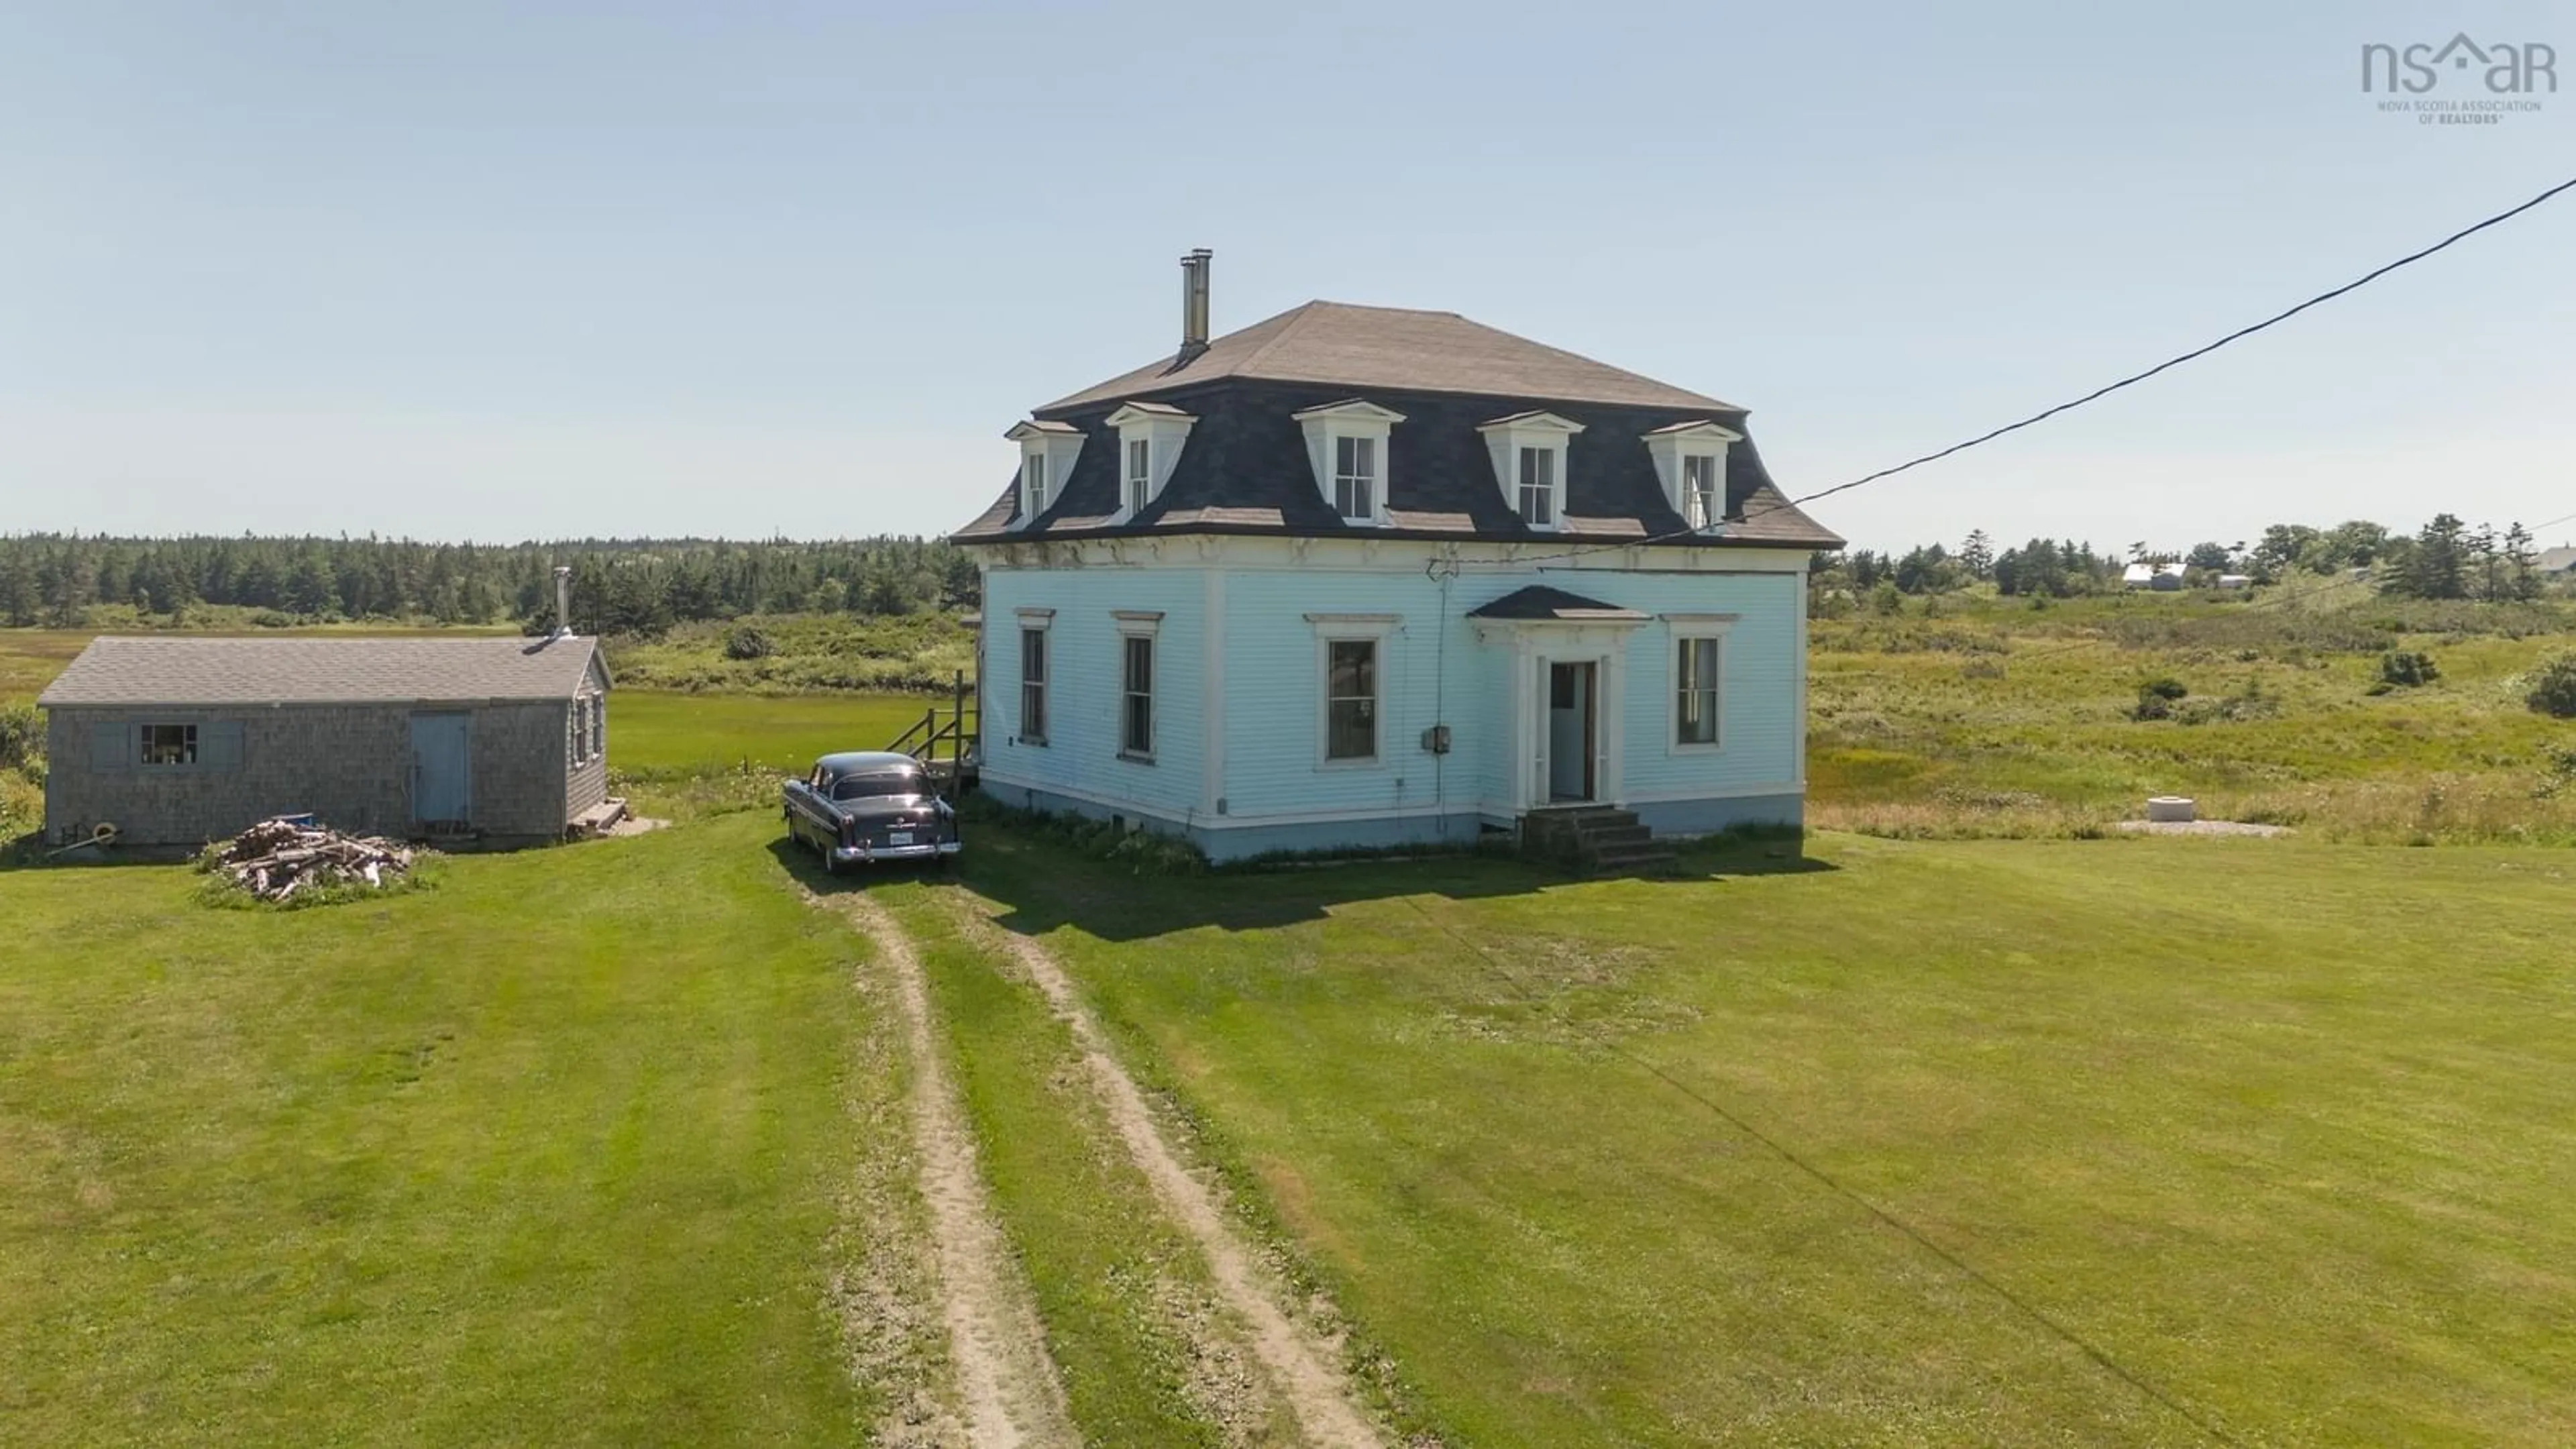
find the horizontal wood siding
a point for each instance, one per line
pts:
(1272, 766)
(1757, 697)
(1274, 680)
(1084, 664)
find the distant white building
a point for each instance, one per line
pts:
(2556, 561)
(2164, 577)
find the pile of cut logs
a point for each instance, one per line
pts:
(277, 858)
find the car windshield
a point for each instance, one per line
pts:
(879, 782)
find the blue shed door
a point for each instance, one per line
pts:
(441, 775)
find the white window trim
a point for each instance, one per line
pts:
(1683, 629)
(1058, 444)
(1331, 629)
(1698, 438)
(1163, 430)
(1504, 439)
(1146, 624)
(1041, 622)
(1325, 427)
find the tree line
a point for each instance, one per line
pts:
(620, 586)
(2446, 559)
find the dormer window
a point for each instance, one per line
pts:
(1700, 495)
(1529, 462)
(1150, 436)
(1140, 475)
(1355, 478)
(1690, 460)
(1346, 446)
(1047, 451)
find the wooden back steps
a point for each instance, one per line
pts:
(1596, 840)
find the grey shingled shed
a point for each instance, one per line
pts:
(178, 741)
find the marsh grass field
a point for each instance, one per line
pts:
(1910, 1136)
(1991, 718)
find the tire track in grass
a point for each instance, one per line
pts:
(1304, 1366)
(1007, 1382)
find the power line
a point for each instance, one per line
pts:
(1738, 1123)
(2133, 379)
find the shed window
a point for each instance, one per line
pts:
(1695, 678)
(1136, 718)
(167, 744)
(1350, 699)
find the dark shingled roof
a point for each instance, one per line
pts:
(1244, 468)
(1394, 348)
(1538, 601)
(186, 672)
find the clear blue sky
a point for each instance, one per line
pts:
(473, 270)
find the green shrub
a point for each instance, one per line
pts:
(22, 736)
(2156, 697)
(2407, 668)
(2553, 688)
(1141, 850)
(272, 619)
(746, 642)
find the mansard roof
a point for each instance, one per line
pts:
(1245, 468)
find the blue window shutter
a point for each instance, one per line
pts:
(111, 747)
(219, 745)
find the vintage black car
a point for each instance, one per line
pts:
(869, 806)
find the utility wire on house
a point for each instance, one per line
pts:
(2095, 395)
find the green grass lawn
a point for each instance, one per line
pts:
(2011, 1142)
(546, 1155)
(666, 734)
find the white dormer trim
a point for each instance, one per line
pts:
(1544, 431)
(1364, 423)
(1699, 438)
(1160, 429)
(1047, 451)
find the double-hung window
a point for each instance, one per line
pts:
(1136, 696)
(1140, 475)
(1696, 666)
(1350, 699)
(1700, 490)
(1034, 470)
(1537, 495)
(1033, 686)
(167, 744)
(1355, 478)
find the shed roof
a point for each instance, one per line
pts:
(214, 671)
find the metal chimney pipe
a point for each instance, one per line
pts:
(563, 600)
(1194, 303)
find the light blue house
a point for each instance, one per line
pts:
(1360, 576)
